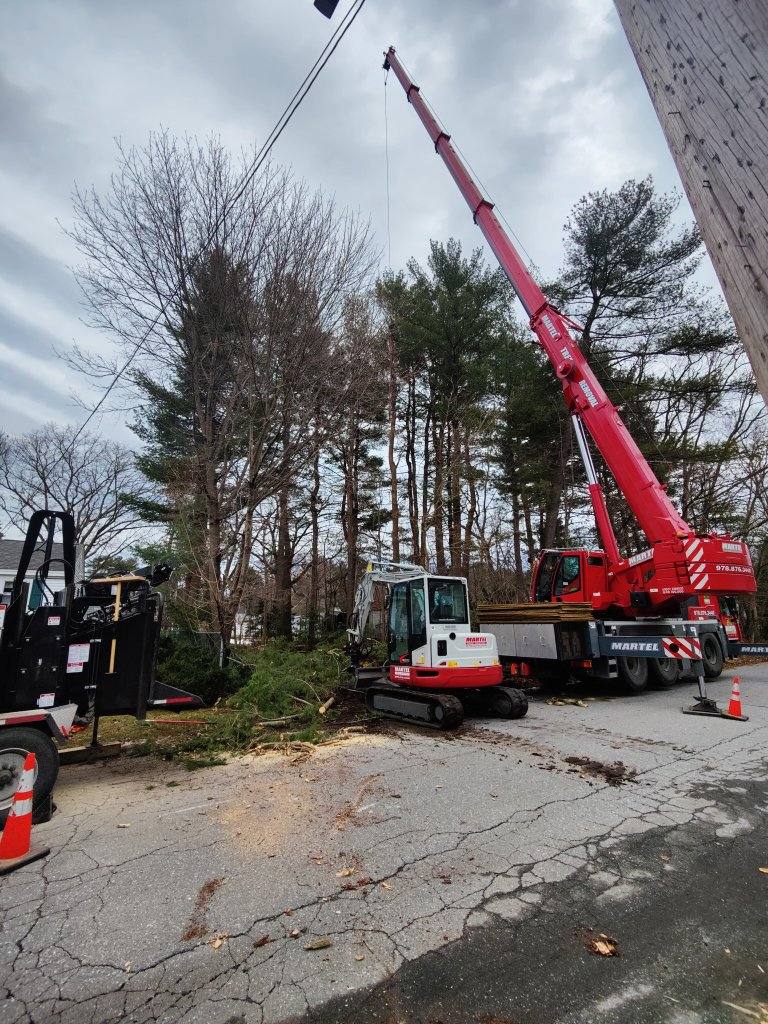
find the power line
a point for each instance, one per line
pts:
(279, 127)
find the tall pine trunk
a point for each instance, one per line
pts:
(314, 513)
(557, 487)
(412, 467)
(438, 444)
(284, 554)
(425, 470)
(392, 415)
(454, 495)
(469, 525)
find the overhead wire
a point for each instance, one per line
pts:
(258, 161)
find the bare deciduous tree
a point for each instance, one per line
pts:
(223, 289)
(94, 479)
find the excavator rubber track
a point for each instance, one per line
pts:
(419, 707)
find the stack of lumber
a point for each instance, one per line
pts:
(542, 612)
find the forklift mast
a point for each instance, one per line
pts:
(92, 644)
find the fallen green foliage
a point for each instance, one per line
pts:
(277, 705)
(285, 681)
(191, 662)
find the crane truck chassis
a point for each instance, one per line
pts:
(436, 664)
(89, 648)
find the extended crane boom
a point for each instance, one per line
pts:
(678, 562)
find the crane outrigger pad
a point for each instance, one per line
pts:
(706, 706)
(419, 707)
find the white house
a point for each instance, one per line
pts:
(10, 554)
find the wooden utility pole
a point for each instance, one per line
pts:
(705, 65)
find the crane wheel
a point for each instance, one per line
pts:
(633, 674)
(15, 744)
(712, 656)
(663, 672)
(507, 702)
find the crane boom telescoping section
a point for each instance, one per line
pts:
(680, 563)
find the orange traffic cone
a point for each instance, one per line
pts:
(734, 704)
(16, 839)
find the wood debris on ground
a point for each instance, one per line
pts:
(601, 944)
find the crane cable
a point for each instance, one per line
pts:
(386, 161)
(533, 269)
(258, 161)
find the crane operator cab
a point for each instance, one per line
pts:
(430, 638)
(572, 575)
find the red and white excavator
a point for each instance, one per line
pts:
(435, 662)
(695, 577)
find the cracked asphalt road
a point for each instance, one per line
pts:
(443, 879)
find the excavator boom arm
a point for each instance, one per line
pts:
(387, 573)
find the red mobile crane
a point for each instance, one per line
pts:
(681, 573)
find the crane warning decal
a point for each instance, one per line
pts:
(679, 648)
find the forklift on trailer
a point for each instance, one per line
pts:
(85, 651)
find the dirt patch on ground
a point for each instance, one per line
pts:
(196, 926)
(369, 791)
(615, 774)
(493, 738)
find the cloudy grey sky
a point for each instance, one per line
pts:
(543, 96)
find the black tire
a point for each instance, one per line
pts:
(712, 656)
(633, 674)
(663, 672)
(507, 702)
(15, 744)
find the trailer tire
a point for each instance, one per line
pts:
(663, 672)
(507, 702)
(712, 656)
(15, 744)
(633, 674)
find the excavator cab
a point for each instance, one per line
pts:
(569, 575)
(430, 636)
